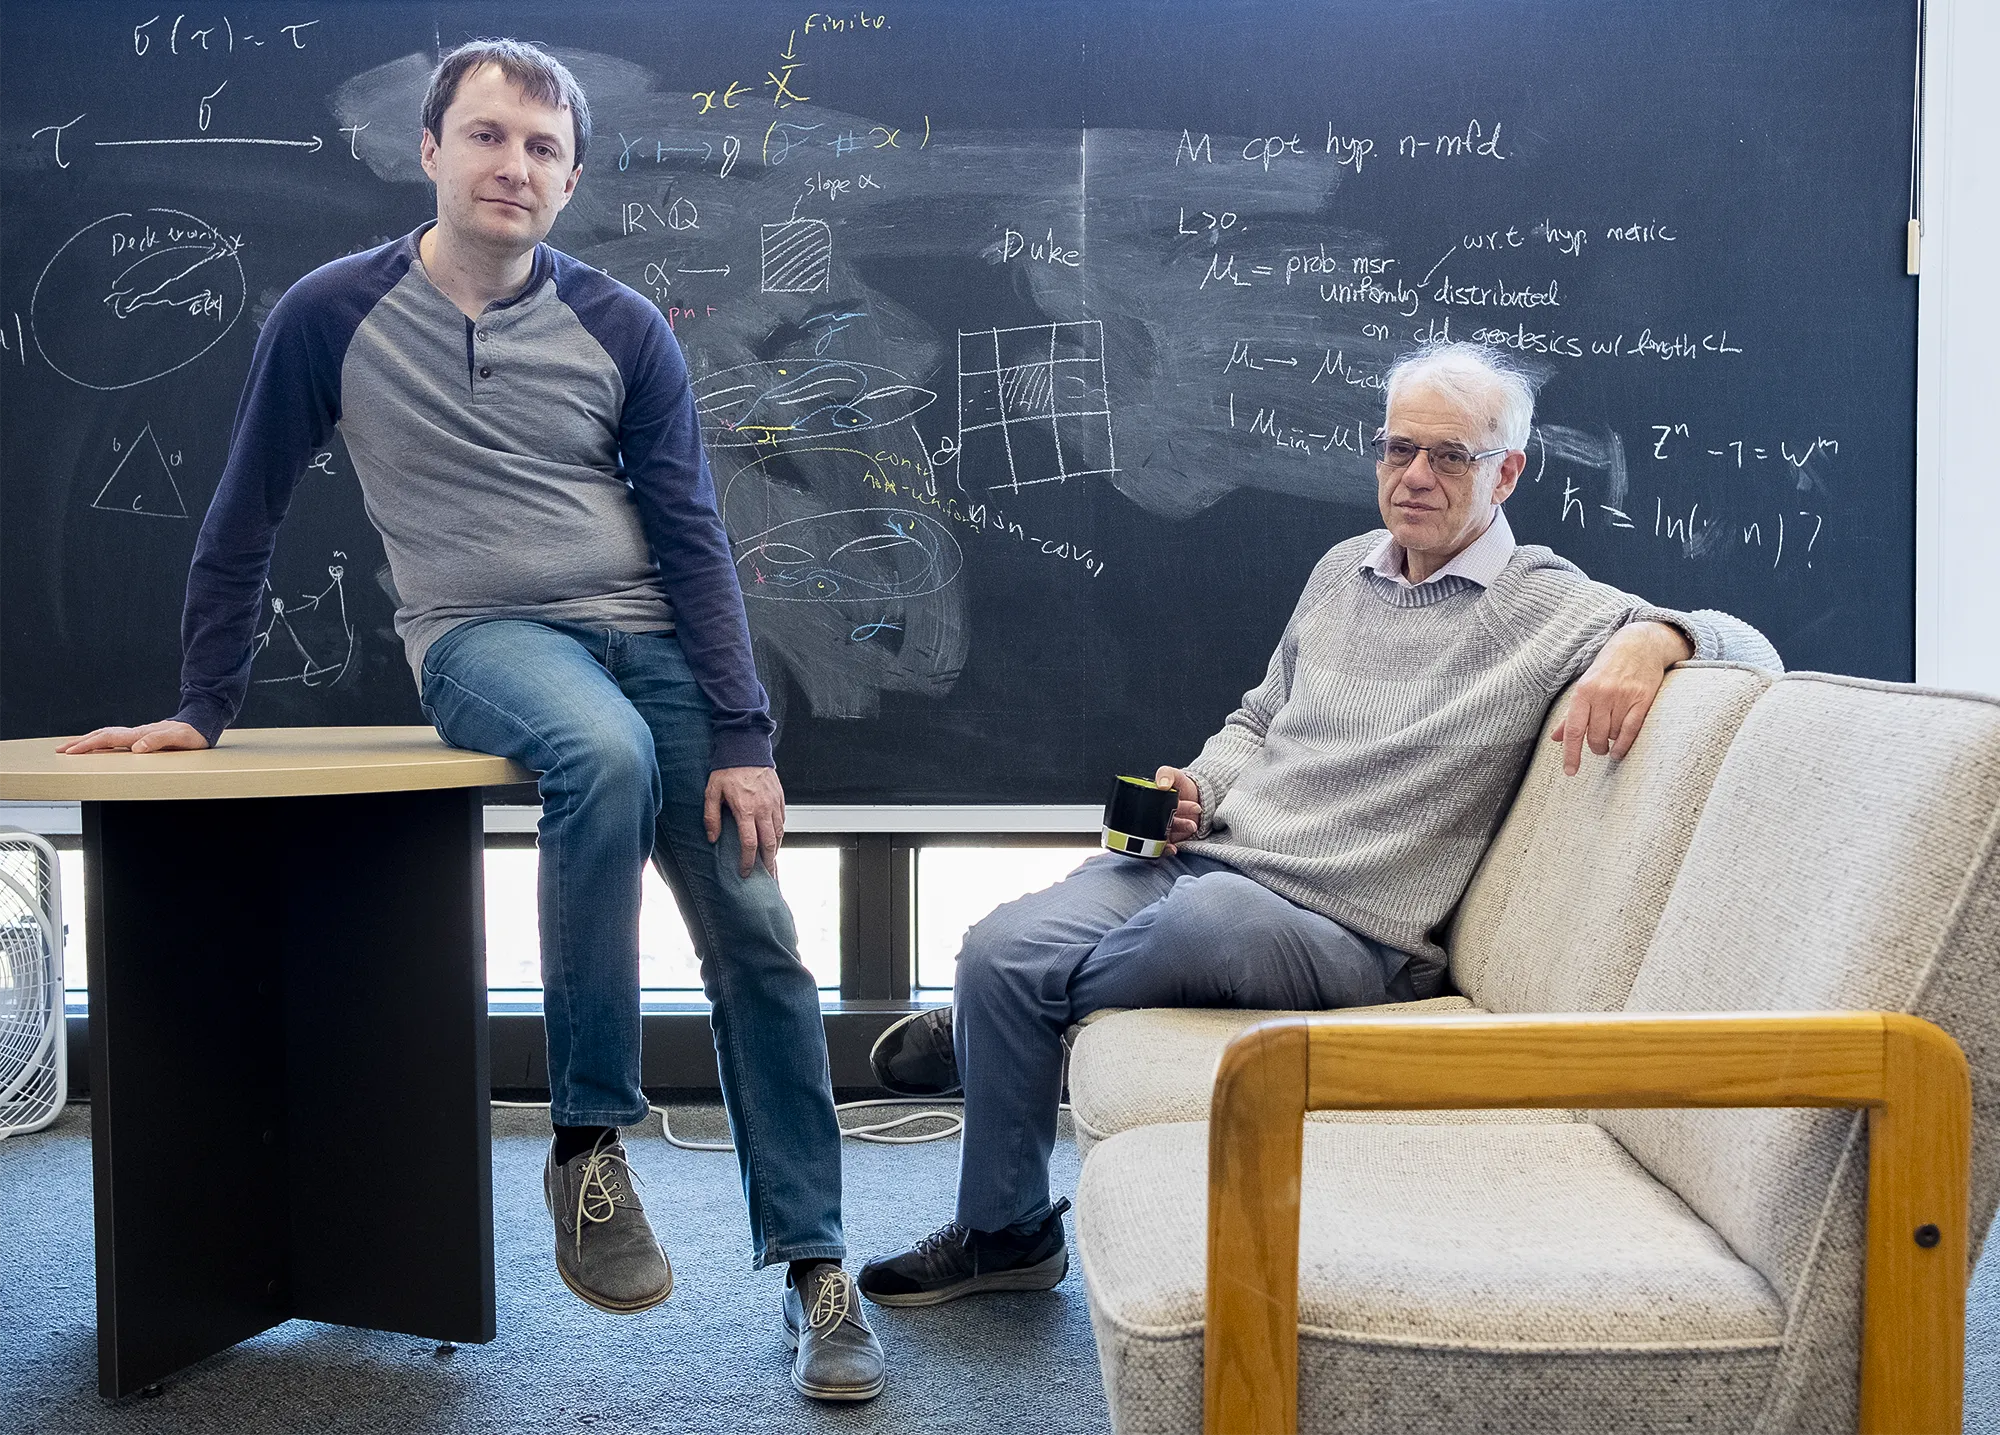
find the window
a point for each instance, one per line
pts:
(69, 862)
(956, 886)
(809, 877)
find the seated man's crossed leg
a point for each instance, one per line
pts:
(1182, 930)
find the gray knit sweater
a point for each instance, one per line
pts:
(1365, 776)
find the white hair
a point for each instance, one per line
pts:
(1483, 382)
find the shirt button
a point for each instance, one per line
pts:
(485, 373)
(482, 333)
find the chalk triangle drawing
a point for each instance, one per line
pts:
(142, 482)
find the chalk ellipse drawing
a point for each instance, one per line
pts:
(778, 401)
(134, 296)
(854, 554)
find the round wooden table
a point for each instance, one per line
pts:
(288, 1067)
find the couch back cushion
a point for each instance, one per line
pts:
(1559, 913)
(1846, 860)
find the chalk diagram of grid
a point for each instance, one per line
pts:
(1035, 396)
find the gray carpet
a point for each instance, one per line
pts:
(710, 1359)
(713, 1358)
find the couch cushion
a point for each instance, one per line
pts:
(1451, 1278)
(1846, 859)
(1560, 911)
(1140, 1068)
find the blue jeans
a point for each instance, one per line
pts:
(619, 731)
(1122, 932)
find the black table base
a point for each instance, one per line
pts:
(288, 1072)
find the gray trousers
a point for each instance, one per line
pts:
(1122, 932)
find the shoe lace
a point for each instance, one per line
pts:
(952, 1233)
(599, 1192)
(947, 1236)
(832, 1302)
(937, 1034)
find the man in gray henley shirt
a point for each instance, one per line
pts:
(1325, 833)
(524, 433)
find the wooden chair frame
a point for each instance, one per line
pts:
(1908, 1074)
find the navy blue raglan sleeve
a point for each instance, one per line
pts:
(659, 437)
(290, 403)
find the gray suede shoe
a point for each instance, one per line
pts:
(839, 1357)
(605, 1250)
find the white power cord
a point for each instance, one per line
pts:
(877, 1133)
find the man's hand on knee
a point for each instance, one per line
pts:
(1612, 699)
(758, 800)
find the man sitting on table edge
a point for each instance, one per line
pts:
(524, 432)
(1324, 835)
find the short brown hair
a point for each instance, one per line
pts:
(537, 74)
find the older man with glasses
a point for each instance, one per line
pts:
(1325, 833)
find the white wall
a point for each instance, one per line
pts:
(1958, 354)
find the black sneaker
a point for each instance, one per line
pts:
(953, 1261)
(914, 1056)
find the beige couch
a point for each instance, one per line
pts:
(1805, 844)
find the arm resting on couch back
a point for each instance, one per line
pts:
(1909, 1074)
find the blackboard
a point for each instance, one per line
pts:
(1037, 343)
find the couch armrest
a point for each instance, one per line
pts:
(1908, 1074)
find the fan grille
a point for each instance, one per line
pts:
(32, 1087)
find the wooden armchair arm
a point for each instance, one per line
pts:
(1909, 1074)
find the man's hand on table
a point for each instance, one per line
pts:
(757, 799)
(169, 736)
(1613, 697)
(1187, 815)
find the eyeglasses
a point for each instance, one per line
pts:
(1448, 460)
